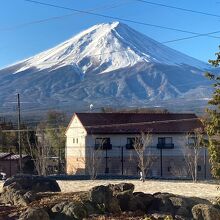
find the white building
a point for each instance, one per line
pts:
(113, 135)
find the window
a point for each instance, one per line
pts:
(103, 143)
(199, 168)
(191, 140)
(75, 140)
(130, 143)
(165, 142)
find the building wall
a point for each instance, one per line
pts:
(126, 162)
(80, 155)
(11, 167)
(75, 147)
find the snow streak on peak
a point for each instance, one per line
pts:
(107, 47)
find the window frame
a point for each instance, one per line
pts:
(130, 144)
(163, 144)
(103, 146)
(192, 138)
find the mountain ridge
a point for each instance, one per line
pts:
(108, 61)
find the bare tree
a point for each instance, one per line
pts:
(40, 150)
(145, 159)
(179, 171)
(191, 151)
(92, 159)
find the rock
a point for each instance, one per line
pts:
(33, 183)
(101, 194)
(163, 195)
(136, 204)
(162, 205)
(69, 210)
(181, 206)
(123, 199)
(179, 217)
(34, 214)
(140, 201)
(160, 216)
(121, 187)
(22, 189)
(179, 201)
(30, 196)
(192, 201)
(205, 212)
(183, 212)
(91, 208)
(113, 206)
(14, 196)
(147, 199)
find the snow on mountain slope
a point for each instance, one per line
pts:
(107, 64)
(107, 47)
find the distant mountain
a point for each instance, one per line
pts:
(107, 64)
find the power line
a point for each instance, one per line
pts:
(179, 8)
(113, 17)
(57, 17)
(186, 38)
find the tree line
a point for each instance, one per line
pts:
(44, 141)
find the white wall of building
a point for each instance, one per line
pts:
(75, 139)
(117, 141)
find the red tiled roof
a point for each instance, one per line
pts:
(118, 123)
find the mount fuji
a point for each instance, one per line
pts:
(108, 64)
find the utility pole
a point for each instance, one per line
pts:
(19, 133)
(122, 160)
(106, 159)
(161, 161)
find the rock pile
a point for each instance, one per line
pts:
(112, 201)
(23, 189)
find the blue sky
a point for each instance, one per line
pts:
(21, 36)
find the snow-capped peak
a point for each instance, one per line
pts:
(107, 47)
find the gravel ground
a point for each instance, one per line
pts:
(206, 190)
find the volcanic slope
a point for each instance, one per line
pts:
(107, 64)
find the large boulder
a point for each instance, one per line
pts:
(22, 189)
(13, 194)
(103, 196)
(192, 201)
(183, 212)
(100, 194)
(205, 212)
(34, 214)
(124, 193)
(162, 204)
(177, 205)
(124, 199)
(34, 183)
(69, 210)
(140, 201)
(121, 187)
